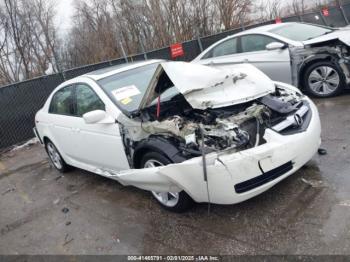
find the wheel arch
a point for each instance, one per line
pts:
(160, 145)
(65, 158)
(46, 140)
(313, 60)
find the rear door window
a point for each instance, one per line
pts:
(227, 47)
(62, 102)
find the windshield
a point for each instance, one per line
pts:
(126, 89)
(300, 32)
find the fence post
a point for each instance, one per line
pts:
(199, 40)
(300, 18)
(63, 75)
(343, 13)
(241, 23)
(123, 51)
(199, 43)
(143, 50)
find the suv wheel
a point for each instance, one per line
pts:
(323, 79)
(172, 201)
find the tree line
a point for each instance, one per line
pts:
(31, 45)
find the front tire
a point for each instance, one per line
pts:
(173, 201)
(323, 79)
(56, 158)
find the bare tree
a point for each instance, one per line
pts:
(231, 11)
(18, 33)
(298, 7)
(268, 10)
(29, 44)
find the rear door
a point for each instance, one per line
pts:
(225, 53)
(61, 119)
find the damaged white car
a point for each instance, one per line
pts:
(187, 132)
(312, 57)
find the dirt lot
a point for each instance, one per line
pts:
(308, 213)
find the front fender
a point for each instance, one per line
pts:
(157, 144)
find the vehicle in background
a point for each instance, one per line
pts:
(187, 132)
(312, 57)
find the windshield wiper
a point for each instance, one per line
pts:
(326, 33)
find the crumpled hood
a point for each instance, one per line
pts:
(208, 87)
(343, 34)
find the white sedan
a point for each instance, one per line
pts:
(188, 133)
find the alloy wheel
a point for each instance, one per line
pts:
(54, 156)
(324, 80)
(169, 199)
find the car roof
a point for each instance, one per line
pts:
(108, 71)
(256, 30)
(265, 28)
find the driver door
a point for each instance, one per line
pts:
(274, 63)
(99, 145)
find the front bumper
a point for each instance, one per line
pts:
(279, 157)
(232, 177)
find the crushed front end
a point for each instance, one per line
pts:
(244, 148)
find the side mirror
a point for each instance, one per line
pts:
(98, 117)
(275, 46)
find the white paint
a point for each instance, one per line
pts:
(99, 148)
(205, 86)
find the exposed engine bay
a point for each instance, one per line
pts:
(194, 131)
(333, 50)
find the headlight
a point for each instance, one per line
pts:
(288, 87)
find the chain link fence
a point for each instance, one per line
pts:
(20, 101)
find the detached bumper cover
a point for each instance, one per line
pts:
(233, 177)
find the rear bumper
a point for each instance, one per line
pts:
(35, 131)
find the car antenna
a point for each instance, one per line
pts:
(205, 171)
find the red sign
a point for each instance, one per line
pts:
(278, 20)
(176, 50)
(325, 11)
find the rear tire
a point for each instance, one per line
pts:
(56, 158)
(323, 79)
(173, 201)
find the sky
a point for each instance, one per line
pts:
(65, 11)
